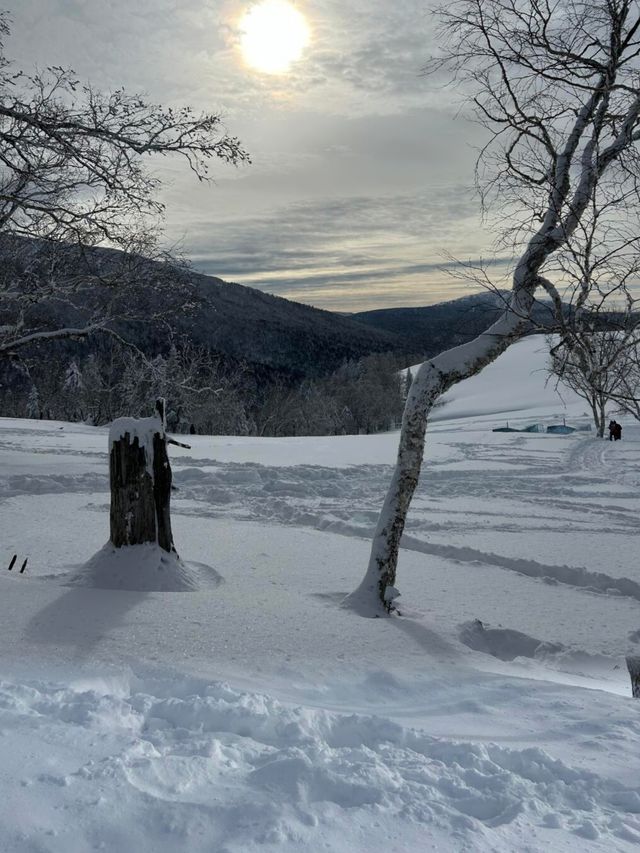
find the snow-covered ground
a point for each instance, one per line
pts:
(253, 713)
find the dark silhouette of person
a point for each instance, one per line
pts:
(612, 429)
(617, 435)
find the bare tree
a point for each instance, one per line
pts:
(556, 86)
(595, 315)
(596, 364)
(73, 170)
(627, 395)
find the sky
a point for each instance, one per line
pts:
(360, 188)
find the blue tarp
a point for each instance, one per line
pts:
(554, 429)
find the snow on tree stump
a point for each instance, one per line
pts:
(140, 555)
(633, 665)
(140, 477)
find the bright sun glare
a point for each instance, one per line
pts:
(274, 34)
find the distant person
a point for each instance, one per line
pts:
(617, 435)
(612, 429)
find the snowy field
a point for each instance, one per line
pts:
(254, 713)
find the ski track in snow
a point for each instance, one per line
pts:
(188, 752)
(581, 488)
(545, 492)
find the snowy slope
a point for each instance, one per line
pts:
(253, 713)
(516, 383)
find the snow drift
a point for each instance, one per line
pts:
(140, 568)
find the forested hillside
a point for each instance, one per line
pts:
(228, 359)
(435, 328)
(151, 302)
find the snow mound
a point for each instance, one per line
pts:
(206, 767)
(504, 643)
(140, 568)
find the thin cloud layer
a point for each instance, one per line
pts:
(338, 253)
(362, 172)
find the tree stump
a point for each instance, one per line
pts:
(633, 665)
(140, 477)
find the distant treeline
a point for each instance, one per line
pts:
(205, 393)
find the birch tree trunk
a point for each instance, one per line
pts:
(602, 404)
(377, 589)
(549, 87)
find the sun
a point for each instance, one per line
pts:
(274, 34)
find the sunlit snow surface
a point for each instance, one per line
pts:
(255, 714)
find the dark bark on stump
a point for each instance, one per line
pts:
(633, 665)
(140, 493)
(162, 492)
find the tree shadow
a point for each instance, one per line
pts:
(80, 619)
(430, 640)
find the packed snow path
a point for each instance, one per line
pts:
(255, 713)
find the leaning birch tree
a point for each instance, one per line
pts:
(557, 87)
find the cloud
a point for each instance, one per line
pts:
(375, 46)
(191, 48)
(362, 172)
(364, 251)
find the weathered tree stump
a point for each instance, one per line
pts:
(140, 477)
(633, 665)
